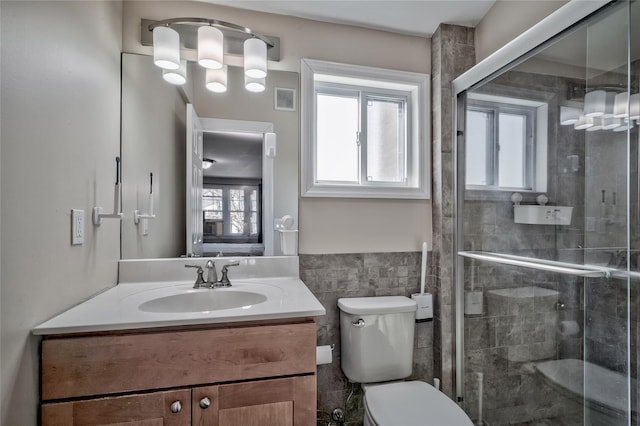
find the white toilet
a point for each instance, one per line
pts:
(377, 346)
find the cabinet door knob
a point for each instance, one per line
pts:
(205, 403)
(176, 407)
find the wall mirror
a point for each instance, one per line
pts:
(237, 218)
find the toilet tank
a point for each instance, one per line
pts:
(376, 335)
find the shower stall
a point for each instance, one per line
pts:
(547, 238)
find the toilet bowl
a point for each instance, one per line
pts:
(377, 351)
(410, 404)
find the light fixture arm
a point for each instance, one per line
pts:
(212, 22)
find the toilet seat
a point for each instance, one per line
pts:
(411, 404)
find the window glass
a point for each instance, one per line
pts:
(365, 132)
(479, 124)
(337, 137)
(386, 142)
(511, 150)
(236, 210)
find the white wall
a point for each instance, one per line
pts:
(60, 96)
(508, 19)
(386, 226)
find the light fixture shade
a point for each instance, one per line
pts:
(177, 77)
(584, 123)
(166, 48)
(216, 80)
(207, 163)
(210, 47)
(611, 123)
(255, 58)
(634, 107)
(569, 115)
(597, 124)
(626, 125)
(621, 105)
(599, 103)
(254, 84)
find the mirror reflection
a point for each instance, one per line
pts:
(232, 193)
(237, 209)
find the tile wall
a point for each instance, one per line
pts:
(333, 276)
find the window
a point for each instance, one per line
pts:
(365, 132)
(505, 143)
(231, 213)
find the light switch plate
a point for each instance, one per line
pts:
(77, 227)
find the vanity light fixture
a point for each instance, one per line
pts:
(177, 76)
(207, 163)
(166, 48)
(255, 58)
(216, 80)
(254, 84)
(210, 47)
(212, 39)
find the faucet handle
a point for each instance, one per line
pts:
(200, 279)
(224, 280)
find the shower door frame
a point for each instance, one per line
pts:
(531, 40)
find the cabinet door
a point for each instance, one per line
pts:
(279, 402)
(172, 408)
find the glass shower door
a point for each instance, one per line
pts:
(547, 232)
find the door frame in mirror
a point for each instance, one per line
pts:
(263, 128)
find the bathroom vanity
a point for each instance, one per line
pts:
(107, 361)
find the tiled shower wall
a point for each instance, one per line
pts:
(333, 276)
(505, 341)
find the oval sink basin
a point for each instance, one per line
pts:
(202, 301)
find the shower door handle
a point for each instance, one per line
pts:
(540, 264)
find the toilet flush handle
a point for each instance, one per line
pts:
(360, 323)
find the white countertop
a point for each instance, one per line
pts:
(119, 307)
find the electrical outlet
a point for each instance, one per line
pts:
(77, 227)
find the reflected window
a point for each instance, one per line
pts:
(505, 143)
(231, 213)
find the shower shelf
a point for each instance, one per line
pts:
(540, 264)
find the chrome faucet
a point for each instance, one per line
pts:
(212, 277)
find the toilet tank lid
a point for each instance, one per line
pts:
(376, 305)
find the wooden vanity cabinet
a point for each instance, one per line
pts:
(259, 375)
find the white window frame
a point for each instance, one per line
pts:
(538, 180)
(415, 85)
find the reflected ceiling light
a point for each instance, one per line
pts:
(255, 58)
(207, 163)
(597, 124)
(626, 125)
(178, 76)
(255, 85)
(621, 105)
(611, 123)
(634, 107)
(216, 80)
(208, 36)
(210, 47)
(599, 103)
(569, 115)
(166, 48)
(584, 123)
